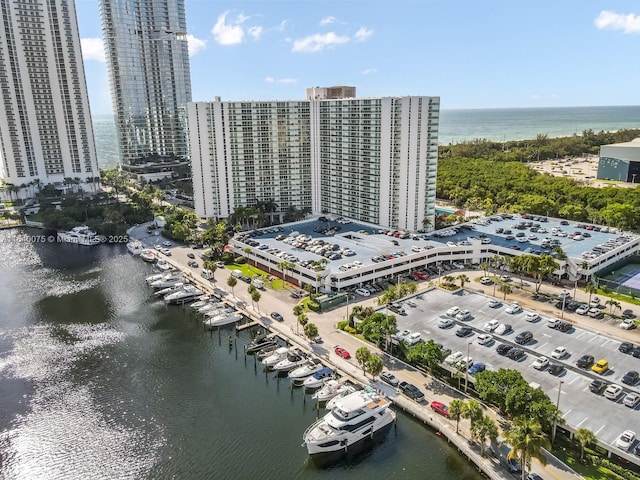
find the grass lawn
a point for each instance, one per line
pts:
(250, 271)
(571, 457)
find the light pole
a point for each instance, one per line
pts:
(557, 412)
(466, 371)
(564, 301)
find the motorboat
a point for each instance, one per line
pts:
(354, 420)
(163, 265)
(299, 374)
(208, 308)
(220, 309)
(318, 379)
(186, 294)
(278, 355)
(166, 291)
(294, 359)
(347, 391)
(221, 320)
(154, 277)
(330, 389)
(201, 301)
(169, 280)
(147, 255)
(261, 342)
(266, 351)
(135, 247)
(80, 235)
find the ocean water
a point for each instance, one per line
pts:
(462, 125)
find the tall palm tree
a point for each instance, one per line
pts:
(473, 411)
(255, 297)
(584, 437)
(613, 304)
(527, 441)
(456, 407)
(590, 288)
(483, 428)
(362, 357)
(463, 279)
(303, 319)
(232, 282)
(506, 289)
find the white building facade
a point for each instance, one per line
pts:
(368, 159)
(45, 130)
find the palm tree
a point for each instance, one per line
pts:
(302, 320)
(483, 428)
(311, 331)
(473, 411)
(456, 408)
(255, 297)
(484, 266)
(232, 282)
(584, 437)
(374, 365)
(612, 304)
(449, 278)
(298, 309)
(590, 288)
(527, 441)
(362, 357)
(463, 279)
(505, 288)
(584, 266)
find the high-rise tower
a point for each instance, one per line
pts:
(45, 129)
(148, 63)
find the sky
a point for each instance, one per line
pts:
(470, 53)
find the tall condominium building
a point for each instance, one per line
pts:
(148, 64)
(45, 129)
(330, 93)
(368, 159)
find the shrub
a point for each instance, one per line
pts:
(241, 260)
(350, 330)
(342, 325)
(313, 306)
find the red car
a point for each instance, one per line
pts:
(341, 352)
(440, 408)
(420, 275)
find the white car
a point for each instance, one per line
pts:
(491, 325)
(493, 303)
(541, 363)
(505, 278)
(464, 363)
(403, 335)
(453, 358)
(445, 322)
(513, 309)
(553, 322)
(595, 302)
(583, 309)
(532, 317)
(486, 281)
(363, 292)
(626, 439)
(414, 338)
(631, 400)
(627, 324)
(613, 391)
(559, 352)
(453, 311)
(502, 329)
(166, 244)
(464, 315)
(485, 339)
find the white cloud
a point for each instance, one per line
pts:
(282, 81)
(281, 26)
(615, 21)
(328, 20)
(318, 41)
(255, 32)
(195, 44)
(228, 33)
(362, 34)
(93, 49)
(369, 71)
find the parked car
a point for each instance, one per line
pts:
(583, 309)
(440, 408)
(453, 358)
(555, 369)
(613, 391)
(503, 349)
(453, 311)
(445, 322)
(342, 353)
(559, 352)
(597, 386)
(493, 303)
(464, 315)
(477, 367)
(513, 309)
(515, 353)
(491, 325)
(464, 332)
(532, 317)
(486, 281)
(411, 391)
(485, 339)
(414, 338)
(627, 324)
(628, 313)
(277, 316)
(585, 361)
(389, 378)
(631, 400)
(630, 378)
(541, 363)
(563, 326)
(626, 347)
(600, 366)
(363, 292)
(626, 439)
(524, 337)
(503, 329)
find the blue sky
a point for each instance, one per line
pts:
(473, 54)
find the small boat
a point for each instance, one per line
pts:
(279, 354)
(221, 320)
(169, 280)
(163, 265)
(80, 235)
(186, 294)
(260, 342)
(330, 389)
(147, 255)
(135, 247)
(354, 420)
(208, 308)
(298, 375)
(266, 351)
(200, 302)
(294, 359)
(347, 391)
(154, 277)
(318, 379)
(166, 291)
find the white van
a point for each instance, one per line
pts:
(236, 273)
(259, 284)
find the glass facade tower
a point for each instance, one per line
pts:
(148, 64)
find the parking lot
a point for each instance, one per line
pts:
(580, 407)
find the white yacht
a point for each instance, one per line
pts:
(80, 235)
(183, 295)
(163, 265)
(224, 319)
(169, 280)
(297, 375)
(347, 391)
(294, 359)
(201, 302)
(147, 255)
(318, 379)
(154, 277)
(354, 419)
(330, 389)
(261, 342)
(135, 247)
(166, 291)
(275, 357)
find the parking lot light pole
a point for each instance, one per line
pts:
(564, 301)
(466, 371)
(557, 412)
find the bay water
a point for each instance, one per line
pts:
(99, 379)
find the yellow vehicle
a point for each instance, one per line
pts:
(600, 366)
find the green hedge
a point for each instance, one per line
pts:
(614, 467)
